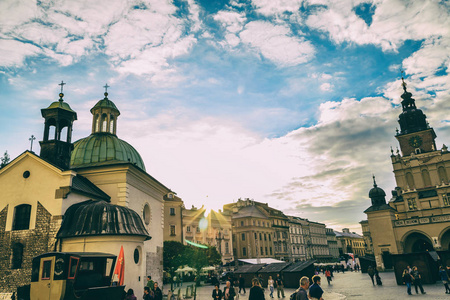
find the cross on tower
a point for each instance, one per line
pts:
(106, 87)
(32, 138)
(62, 85)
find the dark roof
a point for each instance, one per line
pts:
(274, 268)
(249, 211)
(92, 218)
(78, 254)
(82, 185)
(376, 208)
(298, 266)
(248, 269)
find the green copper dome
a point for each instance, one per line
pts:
(102, 149)
(105, 103)
(60, 104)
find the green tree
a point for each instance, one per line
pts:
(174, 255)
(4, 160)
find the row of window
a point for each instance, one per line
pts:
(262, 251)
(442, 174)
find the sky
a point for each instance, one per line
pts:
(293, 103)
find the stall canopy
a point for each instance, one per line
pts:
(248, 272)
(272, 270)
(255, 261)
(294, 272)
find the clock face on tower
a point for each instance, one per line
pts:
(415, 141)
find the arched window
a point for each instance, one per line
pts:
(21, 217)
(52, 132)
(17, 256)
(104, 123)
(97, 123)
(410, 180)
(63, 134)
(111, 126)
(442, 175)
(426, 178)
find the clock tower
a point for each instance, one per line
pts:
(415, 135)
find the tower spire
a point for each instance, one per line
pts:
(374, 182)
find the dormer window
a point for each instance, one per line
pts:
(417, 150)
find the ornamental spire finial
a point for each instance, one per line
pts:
(106, 86)
(374, 182)
(403, 81)
(61, 95)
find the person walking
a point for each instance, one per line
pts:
(302, 293)
(241, 284)
(280, 286)
(157, 292)
(228, 291)
(378, 278)
(150, 282)
(328, 275)
(217, 293)
(371, 273)
(148, 294)
(256, 292)
(407, 279)
(315, 291)
(417, 280)
(270, 286)
(130, 295)
(444, 278)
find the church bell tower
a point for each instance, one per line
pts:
(56, 146)
(415, 135)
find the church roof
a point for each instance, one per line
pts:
(93, 218)
(60, 104)
(82, 185)
(105, 103)
(249, 211)
(101, 149)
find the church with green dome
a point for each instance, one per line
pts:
(91, 195)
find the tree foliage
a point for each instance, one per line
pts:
(176, 254)
(4, 160)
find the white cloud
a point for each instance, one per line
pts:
(276, 43)
(270, 7)
(326, 87)
(393, 22)
(13, 53)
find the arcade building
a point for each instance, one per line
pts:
(93, 195)
(417, 217)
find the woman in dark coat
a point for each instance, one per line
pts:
(157, 292)
(217, 293)
(256, 292)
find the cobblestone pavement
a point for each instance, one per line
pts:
(350, 285)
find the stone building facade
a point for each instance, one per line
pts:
(332, 243)
(297, 232)
(173, 218)
(417, 217)
(350, 242)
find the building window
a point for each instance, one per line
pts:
(137, 255)
(260, 236)
(446, 198)
(188, 228)
(426, 178)
(146, 214)
(255, 236)
(172, 211)
(442, 175)
(270, 249)
(262, 252)
(17, 256)
(197, 229)
(21, 217)
(410, 180)
(265, 237)
(244, 251)
(172, 230)
(243, 237)
(266, 251)
(412, 205)
(269, 237)
(226, 248)
(254, 222)
(242, 223)
(46, 269)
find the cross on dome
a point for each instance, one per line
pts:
(61, 95)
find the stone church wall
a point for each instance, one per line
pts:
(35, 242)
(155, 265)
